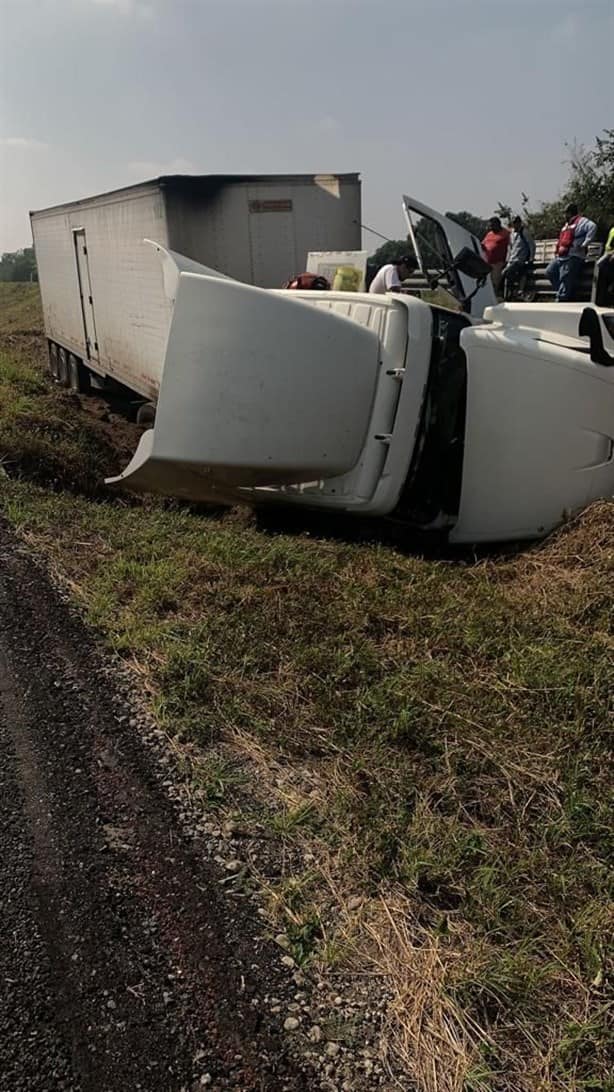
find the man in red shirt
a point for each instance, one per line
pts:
(494, 245)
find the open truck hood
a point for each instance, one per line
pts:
(258, 388)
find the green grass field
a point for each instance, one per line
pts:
(431, 734)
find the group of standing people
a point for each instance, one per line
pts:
(509, 252)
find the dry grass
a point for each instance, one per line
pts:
(427, 1029)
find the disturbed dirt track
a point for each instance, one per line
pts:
(122, 965)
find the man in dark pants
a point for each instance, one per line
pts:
(521, 252)
(565, 268)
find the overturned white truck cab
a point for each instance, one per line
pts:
(485, 428)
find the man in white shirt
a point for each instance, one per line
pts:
(390, 277)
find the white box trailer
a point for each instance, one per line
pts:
(105, 309)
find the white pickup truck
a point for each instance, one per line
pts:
(488, 427)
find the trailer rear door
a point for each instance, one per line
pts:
(272, 243)
(85, 291)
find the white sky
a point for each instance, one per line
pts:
(460, 103)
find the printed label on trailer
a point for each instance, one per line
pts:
(278, 205)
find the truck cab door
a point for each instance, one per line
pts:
(437, 240)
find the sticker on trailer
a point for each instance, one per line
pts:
(278, 205)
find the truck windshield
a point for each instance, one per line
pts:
(431, 242)
(433, 485)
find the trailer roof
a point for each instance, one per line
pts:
(205, 183)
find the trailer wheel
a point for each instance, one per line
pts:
(53, 359)
(62, 376)
(146, 415)
(78, 375)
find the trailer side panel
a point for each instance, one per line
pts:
(126, 296)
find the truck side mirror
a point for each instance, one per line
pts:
(471, 264)
(590, 327)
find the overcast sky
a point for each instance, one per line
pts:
(460, 103)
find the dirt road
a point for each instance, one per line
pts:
(122, 965)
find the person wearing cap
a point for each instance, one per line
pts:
(390, 277)
(565, 268)
(494, 247)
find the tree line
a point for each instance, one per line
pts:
(19, 265)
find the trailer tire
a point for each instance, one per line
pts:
(53, 359)
(146, 415)
(63, 376)
(78, 375)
